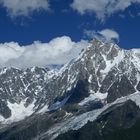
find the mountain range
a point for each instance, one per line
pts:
(96, 96)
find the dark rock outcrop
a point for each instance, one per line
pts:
(111, 124)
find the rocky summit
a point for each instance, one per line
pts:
(96, 96)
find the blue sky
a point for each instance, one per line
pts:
(25, 21)
(63, 20)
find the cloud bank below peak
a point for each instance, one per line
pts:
(58, 51)
(102, 8)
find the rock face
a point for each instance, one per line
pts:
(121, 87)
(5, 111)
(22, 86)
(111, 124)
(32, 98)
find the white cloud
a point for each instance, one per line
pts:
(17, 8)
(102, 8)
(105, 34)
(57, 52)
(109, 34)
(90, 34)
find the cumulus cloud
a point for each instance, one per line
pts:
(56, 52)
(105, 34)
(102, 8)
(17, 8)
(109, 34)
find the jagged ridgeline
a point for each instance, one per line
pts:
(95, 96)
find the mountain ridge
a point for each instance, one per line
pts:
(102, 75)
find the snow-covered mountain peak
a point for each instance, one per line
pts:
(97, 69)
(101, 74)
